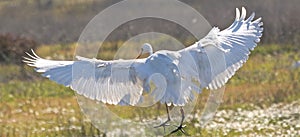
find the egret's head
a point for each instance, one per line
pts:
(146, 49)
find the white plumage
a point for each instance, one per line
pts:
(209, 63)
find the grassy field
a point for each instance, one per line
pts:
(34, 106)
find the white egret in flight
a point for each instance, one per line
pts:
(124, 81)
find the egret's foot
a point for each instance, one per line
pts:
(179, 128)
(164, 124)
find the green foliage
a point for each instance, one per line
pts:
(9, 72)
(15, 90)
(57, 51)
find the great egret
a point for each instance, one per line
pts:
(124, 81)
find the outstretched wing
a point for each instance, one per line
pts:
(112, 82)
(220, 54)
(210, 62)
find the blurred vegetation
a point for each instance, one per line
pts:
(12, 48)
(56, 21)
(35, 106)
(39, 107)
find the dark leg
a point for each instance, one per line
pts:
(180, 127)
(164, 124)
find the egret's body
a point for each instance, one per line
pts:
(211, 61)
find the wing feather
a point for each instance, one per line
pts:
(222, 53)
(111, 82)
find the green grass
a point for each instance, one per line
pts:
(44, 116)
(35, 106)
(15, 90)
